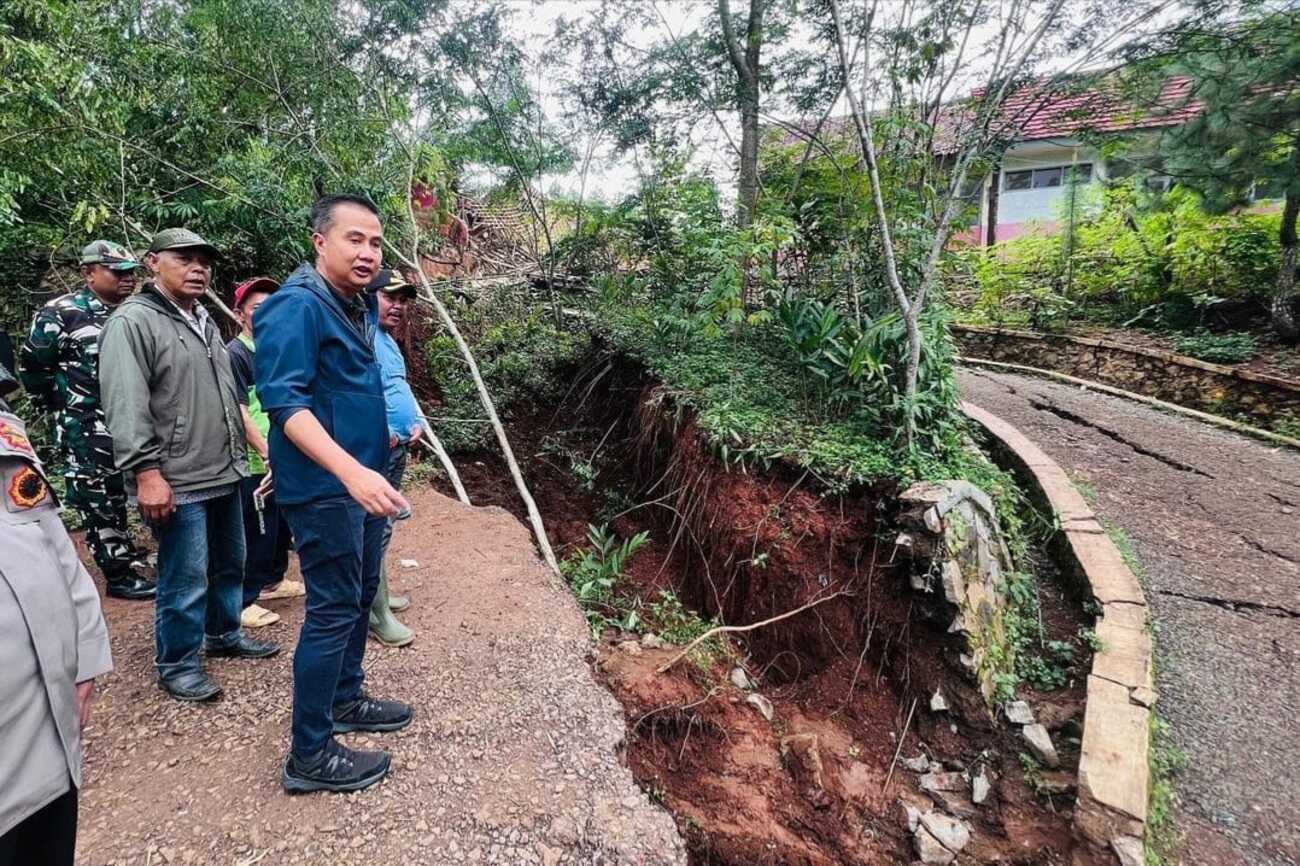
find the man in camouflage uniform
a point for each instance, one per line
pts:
(60, 369)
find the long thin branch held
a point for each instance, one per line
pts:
(731, 629)
(430, 297)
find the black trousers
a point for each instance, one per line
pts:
(45, 838)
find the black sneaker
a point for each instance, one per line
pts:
(131, 587)
(192, 686)
(334, 768)
(244, 648)
(368, 714)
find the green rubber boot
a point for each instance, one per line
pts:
(383, 625)
(398, 603)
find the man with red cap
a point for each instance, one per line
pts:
(267, 540)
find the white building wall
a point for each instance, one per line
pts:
(1023, 210)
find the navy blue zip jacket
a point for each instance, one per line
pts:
(311, 355)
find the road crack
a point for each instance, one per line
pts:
(1235, 605)
(1269, 551)
(1117, 436)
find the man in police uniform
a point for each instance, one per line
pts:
(60, 369)
(53, 644)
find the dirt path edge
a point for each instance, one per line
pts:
(1114, 774)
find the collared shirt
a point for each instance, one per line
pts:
(399, 400)
(196, 317)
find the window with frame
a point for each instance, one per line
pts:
(1046, 178)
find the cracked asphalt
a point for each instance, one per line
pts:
(1214, 518)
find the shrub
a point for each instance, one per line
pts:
(1163, 259)
(1233, 347)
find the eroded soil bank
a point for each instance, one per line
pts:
(796, 760)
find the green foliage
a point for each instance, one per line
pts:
(1167, 760)
(1160, 259)
(676, 624)
(594, 572)
(521, 355)
(1044, 664)
(1229, 348)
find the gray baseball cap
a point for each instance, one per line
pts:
(180, 239)
(113, 256)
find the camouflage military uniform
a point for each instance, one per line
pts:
(60, 369)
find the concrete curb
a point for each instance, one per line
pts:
(1114, 776)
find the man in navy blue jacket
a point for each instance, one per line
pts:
(319, 380)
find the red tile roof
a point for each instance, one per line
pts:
(1037, 113)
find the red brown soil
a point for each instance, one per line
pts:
(841, 677)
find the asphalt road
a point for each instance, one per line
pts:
(1214, 518)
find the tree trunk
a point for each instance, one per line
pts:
(1283, 306)
(746, 63)
(747, 184)
(912, 320)
(991, 223)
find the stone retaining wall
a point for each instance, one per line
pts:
(1151, 372)
(1114, 776)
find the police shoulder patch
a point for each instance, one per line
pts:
(13, 440)
(26, 489)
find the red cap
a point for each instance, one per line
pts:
(256, 284)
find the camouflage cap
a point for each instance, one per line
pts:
(112, 256)
(180, 239)
(390, 282)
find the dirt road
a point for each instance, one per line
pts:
(512, 757)
(1215, 521)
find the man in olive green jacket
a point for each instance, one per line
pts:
(172, 408)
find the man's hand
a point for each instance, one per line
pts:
(85, 694)
(373, 492)
(154, 495)
(416, 432)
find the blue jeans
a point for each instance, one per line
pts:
(267, 553)
(393, 471)
(339, 551)
(200, 582)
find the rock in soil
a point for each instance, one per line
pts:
(1019, 713)
(944, 782)
(980, 787)
(741, 680)
(930, 849)
(919, 764)
(762, 704)
(951, 833)
(1040, 743)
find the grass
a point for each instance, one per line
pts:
(1124, 544)
(1166, 761)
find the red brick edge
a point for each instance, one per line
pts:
(1114, 776)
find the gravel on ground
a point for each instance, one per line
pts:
(1214, 519)
(513, 757)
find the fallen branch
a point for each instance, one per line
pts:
(899, 750)
(435, 445)
(725, 629)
